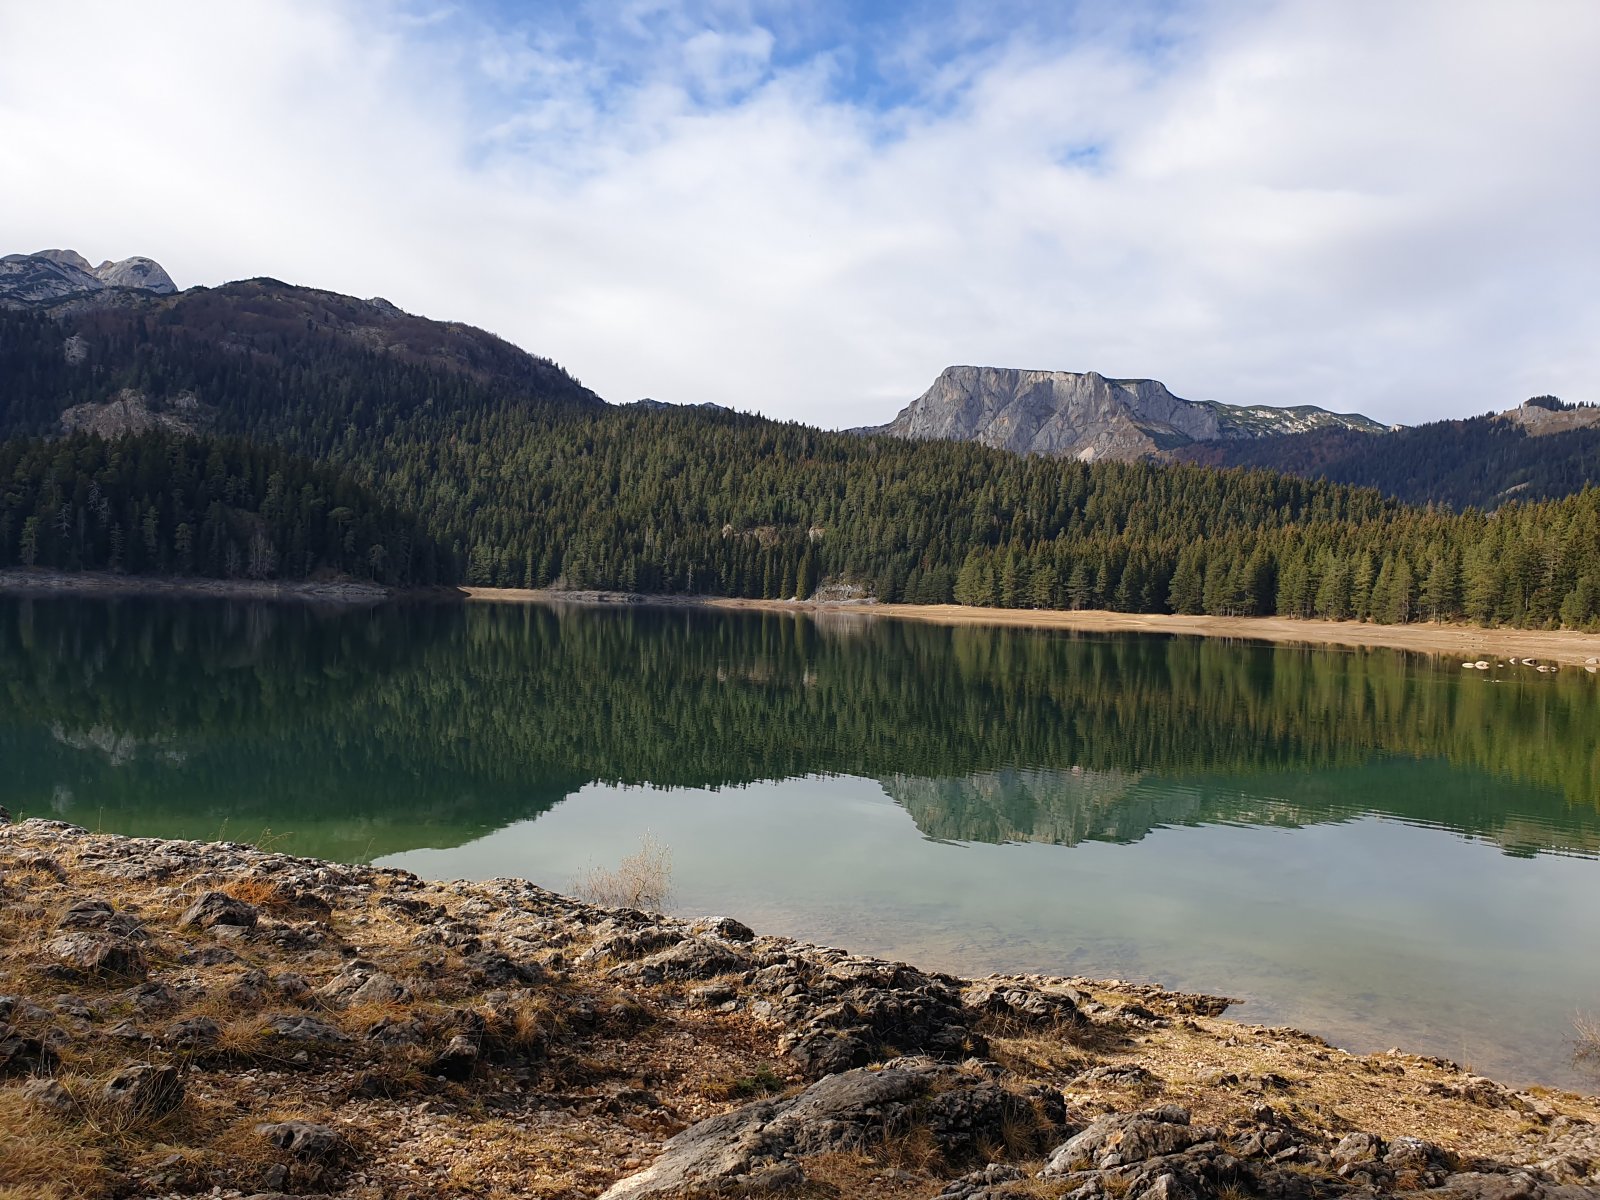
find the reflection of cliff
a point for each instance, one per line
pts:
(1059, 807)
(1071, 806)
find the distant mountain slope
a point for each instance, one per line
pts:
(1534, 452)
(314, 370)
(1087, 416)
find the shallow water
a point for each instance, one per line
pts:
(1377, 847)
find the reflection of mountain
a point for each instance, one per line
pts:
(1067, 807)
(1059, 807)
(376, 731)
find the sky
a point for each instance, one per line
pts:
(808, 208)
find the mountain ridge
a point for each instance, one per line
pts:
(1089, 416)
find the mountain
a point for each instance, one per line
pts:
(260, 358)
(1541, 450)
(52, 275)
(1086, 416)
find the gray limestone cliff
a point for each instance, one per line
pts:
(1088, 416)
(50, 275)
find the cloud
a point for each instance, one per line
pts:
(809, 209)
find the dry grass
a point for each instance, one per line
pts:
(641, 880)
(763, 1081)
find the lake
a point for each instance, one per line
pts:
(1377, 847)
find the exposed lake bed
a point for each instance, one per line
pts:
(1374, 846)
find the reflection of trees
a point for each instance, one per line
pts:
(410, 725)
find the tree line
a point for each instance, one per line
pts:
(160, 503)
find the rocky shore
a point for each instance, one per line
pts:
(180, 1018)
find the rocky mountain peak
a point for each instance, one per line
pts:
(1086, 415)
(46, 276)
(136, 272)
(70, 257)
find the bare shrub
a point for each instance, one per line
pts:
(641, 880)
(1586, 1041)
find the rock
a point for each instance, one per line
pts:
(299, 1028)
(218, 908)
(363, 984)
(303, 1139)
(1516, 1185)
(725, 928)
(827, 1051)
(490, 968)
(853, 1010)
(208, 956)
(49, 1095)
(136, 272)
(1020, 1007)
(1115, 1141)
(146, 1091)
(692, 958)
(849, 1111)
(21, 1054)
(100, 954)
(152, 999)
(193, 1033)
(1118, 1075)
(1167, 1186)
(1087, 416)
(458, 1059)
(1358, 1148)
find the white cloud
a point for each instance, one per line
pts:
(1364, 205)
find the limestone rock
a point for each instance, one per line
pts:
(361, 983)
(303, 1139)
(842, 1112)
(1087, 416)
(100, 954)
(218, 908)
(146, 1091)
(1116, 1141)
(299, 1028)
(136, 272)
(129, 411)
(24, 1055)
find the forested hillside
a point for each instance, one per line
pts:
(515, 475)
(166, 504)
(1477, 463)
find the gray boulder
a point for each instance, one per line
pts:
(100, 954)
(218, 908)
(750, 1146)
(1117, 1140)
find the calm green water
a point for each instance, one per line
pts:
(1382, 848)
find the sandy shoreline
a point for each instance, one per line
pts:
(1459, 641)
(1463, 642)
